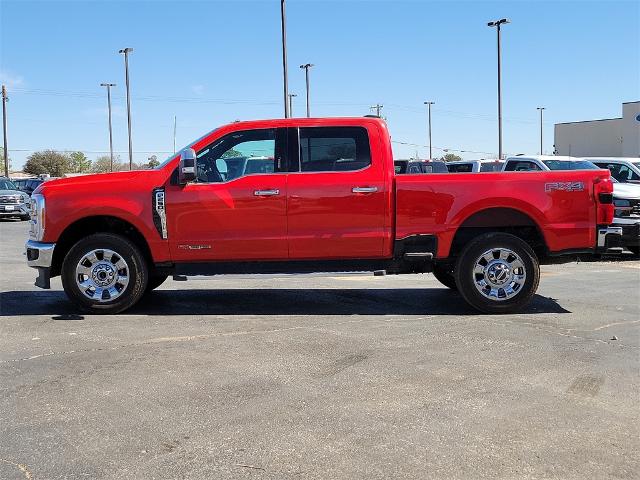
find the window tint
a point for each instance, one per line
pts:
(439, 167)
(7, 185)
(330, 149)
(569, 165)
(521, 166)
(620, 172)
(490, 167)
(236, 155)
(461, 168)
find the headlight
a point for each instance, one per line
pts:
(36, 230)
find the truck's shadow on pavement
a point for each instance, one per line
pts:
(270, 301)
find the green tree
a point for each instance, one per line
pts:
(153, 162)
(451, 157)
(102, 164)
(232, 153)
(48, 162)
(79, 162)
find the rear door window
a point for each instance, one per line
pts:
(334, 149)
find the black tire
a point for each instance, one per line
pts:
(125, 249)
(445, 276)
(25, 217)
(155, 280)
(466, 278)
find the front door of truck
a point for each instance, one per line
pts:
(236, 209)
(337, 197)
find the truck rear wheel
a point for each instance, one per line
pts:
(497, 273)
(104, 273)
(445, 276)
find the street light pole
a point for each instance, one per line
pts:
(291, 95)
(175, 128)
(5, 152)
(285, 80)
(126, 52)
(306, 67)
(109, 85)
(542, 109)
(497, 24)
(428, 104)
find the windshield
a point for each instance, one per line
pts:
(636, 164)
(7, 185)
(569, 165)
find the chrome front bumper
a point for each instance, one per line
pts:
(39, 254)
(604, 231)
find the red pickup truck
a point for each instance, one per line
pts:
(310, 195)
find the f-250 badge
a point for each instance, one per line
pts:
(564, 186)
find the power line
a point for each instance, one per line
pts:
(443, 149)
(223, 101)
(66, 150)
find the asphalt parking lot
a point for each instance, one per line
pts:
(321, 377)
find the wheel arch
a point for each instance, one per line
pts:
(97, 224)
(500, 219)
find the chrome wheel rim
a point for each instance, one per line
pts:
(499, 274)
(102, 275)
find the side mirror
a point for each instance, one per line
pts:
(187, 166)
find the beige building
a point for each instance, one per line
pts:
(609, 137)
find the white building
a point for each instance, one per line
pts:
(609, 137)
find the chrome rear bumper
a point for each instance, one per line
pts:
(604, 231)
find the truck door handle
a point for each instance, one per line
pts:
(364, 189)
(266, 193)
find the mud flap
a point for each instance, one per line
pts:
(44, 278)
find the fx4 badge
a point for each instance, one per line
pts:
(564, 186)
(194, 247)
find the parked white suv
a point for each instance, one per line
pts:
(522, 163)
(624, 170)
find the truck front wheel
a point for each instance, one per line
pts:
(104, 273)
(497, 273)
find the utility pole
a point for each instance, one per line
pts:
(542, 109)
(291, 95)
(377, 107)
(175, 125)
(4, 131)
(306, 67)
(126, 52)
(428, 104)
(109, 85)
(497, 24)
(285, 80)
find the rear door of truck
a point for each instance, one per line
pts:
(337, 193)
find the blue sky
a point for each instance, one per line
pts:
(211, 62)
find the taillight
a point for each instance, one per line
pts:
(603, 192)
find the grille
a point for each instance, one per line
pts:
(6, 199)
(635, 208)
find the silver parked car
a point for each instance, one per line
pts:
(13, 202)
